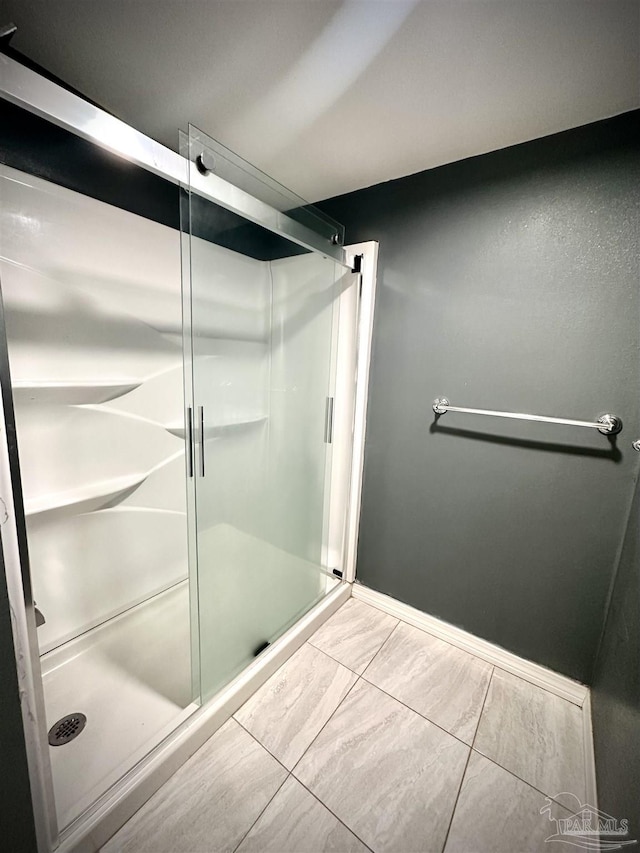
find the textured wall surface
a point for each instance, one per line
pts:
(18, 831)
(507, 281)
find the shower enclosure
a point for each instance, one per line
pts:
(185, 397)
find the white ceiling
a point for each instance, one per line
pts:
(331, 96)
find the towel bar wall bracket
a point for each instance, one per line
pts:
(606, 424)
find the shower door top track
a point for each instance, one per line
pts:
(30, 91)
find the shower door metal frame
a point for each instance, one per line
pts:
(15, 556)
(368, 254)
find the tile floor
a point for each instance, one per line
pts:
(375, 736)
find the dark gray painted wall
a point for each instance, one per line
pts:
(615, 696)
(507, 281)
(17, 828)
(17, 831)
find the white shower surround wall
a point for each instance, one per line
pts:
(93, 308)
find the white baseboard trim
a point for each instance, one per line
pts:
(591, 785)
(529, 671)
(112, 811)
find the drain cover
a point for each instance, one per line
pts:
(66, 729)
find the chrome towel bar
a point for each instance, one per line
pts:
(607, 424)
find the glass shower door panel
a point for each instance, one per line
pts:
(262, 318)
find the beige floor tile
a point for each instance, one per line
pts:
(534, 734)
(354, 634)
(295, 822)
(289, 710)
(210, 803)
(390, 775)
(439, 681)
(498, 813)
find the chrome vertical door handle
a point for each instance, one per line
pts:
(328, 421)
(201, 428)
(189, 440)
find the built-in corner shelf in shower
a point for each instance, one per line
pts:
(217, 429)
(71, 392)
(84, 499)
(92, 496)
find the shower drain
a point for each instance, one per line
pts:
(66, 729)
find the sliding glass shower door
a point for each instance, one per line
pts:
(260, 316)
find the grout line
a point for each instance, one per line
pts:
(484, 702)
(422, 716)
(358, 678)
(506, 769)
(464, 773)
(275, 794)
(290, 772)
(455, 804)
(264, 684)
(335, 660)
(339, 705)
(371, 684)
(328, 654)
(282, 665)
(235, 719)
(520, 779)
(384, 643)
(324, 805)
(477, 751)
(266, 749)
